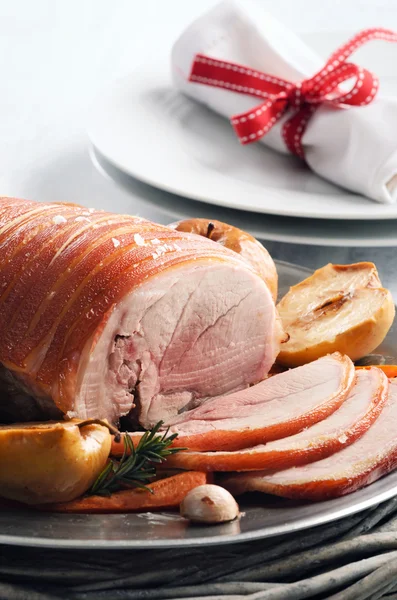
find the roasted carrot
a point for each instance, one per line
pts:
(389, 370)
(166, 493)
(117, 448)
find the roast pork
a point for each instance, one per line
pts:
(105, 315)
(349, 422)
(360, 464)
(275, 408)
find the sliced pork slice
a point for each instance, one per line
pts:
(275, 408)
(356, 466)
(343, 427)
(101, 313)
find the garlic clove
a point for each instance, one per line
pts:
(209, 504)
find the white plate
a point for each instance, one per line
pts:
(362, 234)
(147, 129)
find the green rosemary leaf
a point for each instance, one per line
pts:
(154, 456)
(155, 429)
(139, 477)
(141, 486)
(102, 477)
(136, 467)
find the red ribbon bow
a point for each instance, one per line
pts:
(301, 98)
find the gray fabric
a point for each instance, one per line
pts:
(354, 558)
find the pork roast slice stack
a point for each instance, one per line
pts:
(102, 312)
(349, 422)
(275, 408)
(361, 463)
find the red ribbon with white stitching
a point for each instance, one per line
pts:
(281, 96)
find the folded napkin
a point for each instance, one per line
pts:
(354, 147)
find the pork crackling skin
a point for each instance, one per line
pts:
(373, 455)
(105, 315)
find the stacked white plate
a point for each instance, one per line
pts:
(142, 128)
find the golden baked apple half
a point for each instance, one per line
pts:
(340, 308)
(51, 462)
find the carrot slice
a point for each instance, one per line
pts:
(389, 370)
(167, 493)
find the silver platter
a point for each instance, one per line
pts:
(263, 517)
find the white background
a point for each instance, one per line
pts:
(57, 55)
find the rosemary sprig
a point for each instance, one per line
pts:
(137, 465)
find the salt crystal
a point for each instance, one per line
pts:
(342, 438)
(138, 239)
(79, 219)
(58, 219)
(155, 241)
(116, 242)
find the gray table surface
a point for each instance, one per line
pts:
(352, 559)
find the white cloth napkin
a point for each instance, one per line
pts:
(355, 148)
